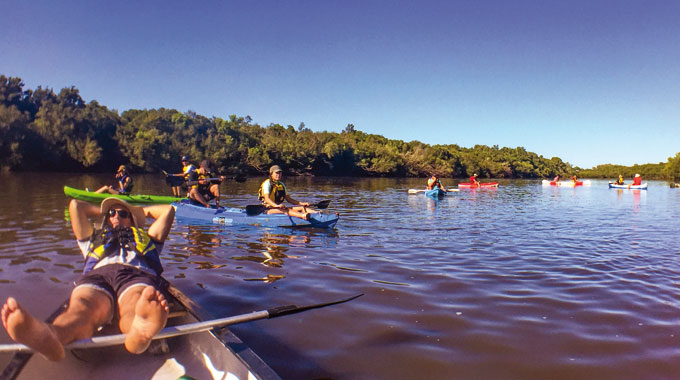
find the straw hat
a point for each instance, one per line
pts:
(138, 218)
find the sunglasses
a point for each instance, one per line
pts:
(123, 214)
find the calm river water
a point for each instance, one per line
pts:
(520, 282)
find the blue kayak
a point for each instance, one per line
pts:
(629, 187)
(189, 213)
(435, 193)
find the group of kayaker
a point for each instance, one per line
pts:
(121, 280)
(637, 180)
(203, 186)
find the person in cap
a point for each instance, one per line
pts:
(187, 169)
(637, 180)
(205, 185)
(121, 280)
(473, 180)
(273, 193)
(124, 183)
(433, 182)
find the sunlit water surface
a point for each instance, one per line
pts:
(519, 282)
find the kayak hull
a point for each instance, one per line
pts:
(189, 213)
(630, 187)
(92, 197)
(435, 193)
(545, 182)
(484, 185)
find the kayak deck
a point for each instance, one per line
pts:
(189, 213)
(435, 193)
(92, 197)
(215, 354)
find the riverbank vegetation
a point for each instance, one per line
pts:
(44, 130)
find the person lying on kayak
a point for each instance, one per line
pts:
(473, 180)
(434, 181)
(637, 180)
(272, 193)
(204, 186)
(121, 280)
(124, 183)
(619, 181)
(187, 169)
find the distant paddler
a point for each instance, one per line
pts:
(124, 183)
(619, 181)
(434, 181)
(637, 180)
(474, 181)
(273, 193)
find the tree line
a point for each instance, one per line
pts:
(48, 131)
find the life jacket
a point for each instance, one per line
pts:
(278, 191)
(108, 242)
(431, 183)
(128, 186)
(187, 170)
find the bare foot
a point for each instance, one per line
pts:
(24, 328)
(151, 313)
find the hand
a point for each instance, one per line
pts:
(304, 204)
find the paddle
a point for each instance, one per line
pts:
(252, 210)
(416, 191)
(168, 332)
(173, 181)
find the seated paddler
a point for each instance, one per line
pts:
(124, 185)
(273, 193)
(433, 182)
(120, 284)
(205, 185)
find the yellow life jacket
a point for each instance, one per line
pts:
(109, 241)
(277, 192)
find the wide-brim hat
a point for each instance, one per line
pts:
(138, 218)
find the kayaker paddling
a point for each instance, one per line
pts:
(124, 183)
(474, 181)
(187, 169)
(121, 280)
(433, 182)
(203, 189)
(273, 193)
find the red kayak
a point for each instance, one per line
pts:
(468, 185)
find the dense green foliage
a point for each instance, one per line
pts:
(42, 130)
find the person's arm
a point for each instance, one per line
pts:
(296, 202)
(80, 213)
(164, 215)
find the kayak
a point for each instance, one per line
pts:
(435, 193)
(469, 185)
(90, 196)
(673, 184)
(217, 353)
(192, 214)
(545, 182)
(632, 187)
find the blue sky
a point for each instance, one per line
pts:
(591, 82)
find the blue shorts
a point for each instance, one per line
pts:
(116, 279)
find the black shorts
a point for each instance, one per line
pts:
(115, 279)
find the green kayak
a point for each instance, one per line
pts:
(93, 197)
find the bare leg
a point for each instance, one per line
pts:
(215, 190)
(195, 195)
(26, 329)
(143, 313)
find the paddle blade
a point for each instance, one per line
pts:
(252, 210)
(322, 204)
(415, 191)
(293, 309)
